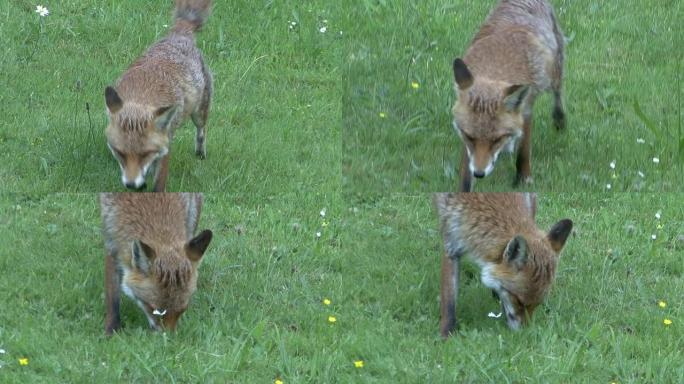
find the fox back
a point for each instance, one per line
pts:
(498, 232)
(517, 53)
(156, 94)
(150, 238)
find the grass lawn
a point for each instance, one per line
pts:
(276, 114)
(259, 315)
(618, 52)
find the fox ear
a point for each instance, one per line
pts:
(114, 102)
(163, 116)
(559, 233)
(516, 252)
(142, 256)
(195, 248)
(514, 96)
(462, 74)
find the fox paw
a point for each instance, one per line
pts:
(559, 119)
(523, 180)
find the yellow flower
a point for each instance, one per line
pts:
(358, 363)
(659, 226)
(662, 304)
(325, 224)
(278, 381)
(667, 321)
(327, 301)
(415, 85)
(382, 115)
(332, 319)
(23, 361)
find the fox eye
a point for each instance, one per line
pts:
(500, 140)
(148, 154)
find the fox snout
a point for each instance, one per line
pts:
(481, 163)
(134, 179)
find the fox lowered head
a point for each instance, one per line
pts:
(163, 278)
(487, 116)
(137, 136)
(526, 272)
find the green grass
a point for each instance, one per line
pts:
(276, 113)
(294, 129)
(258, 311)
(619, 52)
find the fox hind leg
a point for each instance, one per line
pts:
(200, 115)
(557, 78)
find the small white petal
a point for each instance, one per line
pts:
(322, 213)
(612, 164)
(641, 174)
(492, 314)
(653, 237)
(323, 29)
(318, 234)
(641, 141)
(657, 215)
(156, 312)
(608, 186)
(656, 160)
(2, 352)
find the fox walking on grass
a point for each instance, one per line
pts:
(497, 231)
(156, 95)
(151, 254)
(517, 54)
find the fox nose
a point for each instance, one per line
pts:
(479, 174)
(131, 185)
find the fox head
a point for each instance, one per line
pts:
(488, 117)
(136, 136)
(163, 278)
(526, 271)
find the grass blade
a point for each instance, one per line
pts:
(646, 121)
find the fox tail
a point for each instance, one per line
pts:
(191, 15)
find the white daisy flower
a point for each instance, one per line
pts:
(323, 29)
(612, 164)
(657, 215)
(42, 11)
(494, 315)
(641, 141)
(157, 312)
(656, 160)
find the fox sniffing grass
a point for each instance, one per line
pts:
(155, 96)
(151, 254)
(517, 54)
(497, 231)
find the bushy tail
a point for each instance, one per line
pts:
(191, 15)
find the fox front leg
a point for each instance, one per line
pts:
(112, 295)
(449, 294)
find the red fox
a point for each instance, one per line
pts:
(151, 254)
(155, 96)
(497, 231)
(517, 54)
